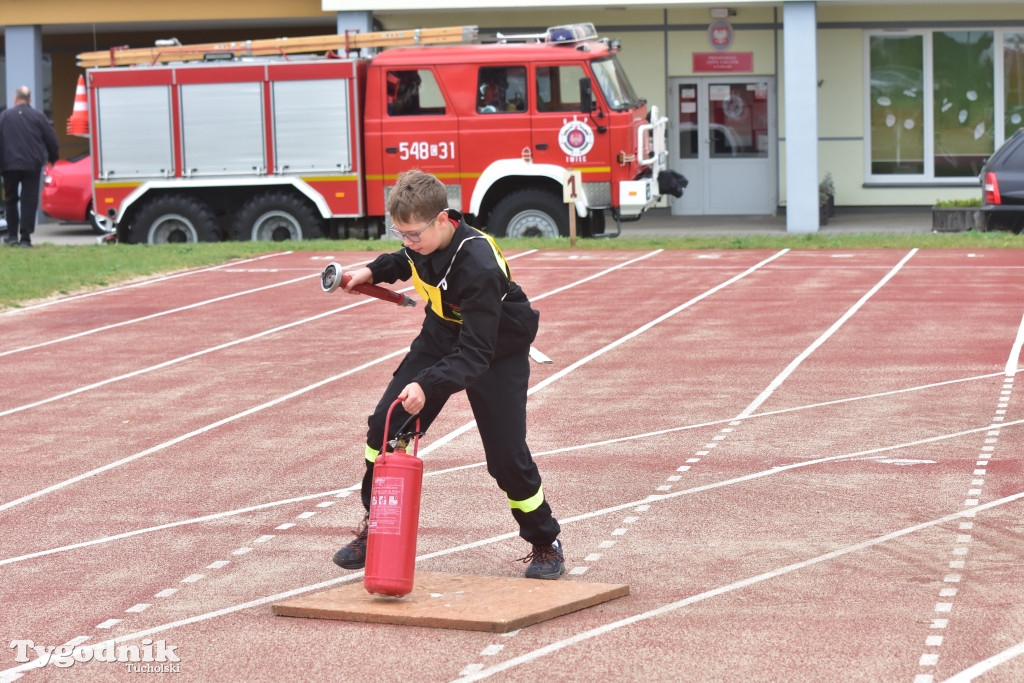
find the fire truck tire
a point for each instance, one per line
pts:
(529, 213)
(275, 217)
(172, 219)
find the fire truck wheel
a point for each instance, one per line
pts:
(529, 213)
(174, 218)
(275, 217)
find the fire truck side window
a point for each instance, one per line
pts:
(414, 93)
(558, 88)
(501, 89)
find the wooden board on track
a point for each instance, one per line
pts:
(456, 601)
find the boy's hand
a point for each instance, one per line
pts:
(412, 398)
(362, 276)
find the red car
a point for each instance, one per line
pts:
(67, 194)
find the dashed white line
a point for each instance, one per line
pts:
(583, 636)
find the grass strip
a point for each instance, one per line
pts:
(46, 271)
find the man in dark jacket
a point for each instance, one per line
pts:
(27, 142)
(475, 337)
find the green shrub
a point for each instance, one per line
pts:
(957, 203)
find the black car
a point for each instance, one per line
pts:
(1002, 179)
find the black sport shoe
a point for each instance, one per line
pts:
(546, 561)
(353, 555)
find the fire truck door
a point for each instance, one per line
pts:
(562, 133)
(499, 125)
(419, 129)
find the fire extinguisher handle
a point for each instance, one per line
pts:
(400, 432)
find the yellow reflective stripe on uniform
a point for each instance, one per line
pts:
(432, 293)
(499, 256)
(530, 504)
(371, 453)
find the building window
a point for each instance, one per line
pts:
(963, 106)
(940, 102)
(897, 104)
(1013, 82)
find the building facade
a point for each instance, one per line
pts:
(894, 103)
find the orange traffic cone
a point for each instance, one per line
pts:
(78, 122)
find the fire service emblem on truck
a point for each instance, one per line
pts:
(576, 139)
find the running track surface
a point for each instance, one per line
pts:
(805, 464)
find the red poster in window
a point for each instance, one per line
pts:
(723, 62)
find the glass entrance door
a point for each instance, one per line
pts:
(723, 139)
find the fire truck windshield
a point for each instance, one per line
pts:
(615, 85)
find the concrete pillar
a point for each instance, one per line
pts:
(24, 63)
(800, 55)
(356, 21)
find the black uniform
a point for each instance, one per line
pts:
(27, 142)
(476, 336)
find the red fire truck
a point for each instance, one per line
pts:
(297, 138)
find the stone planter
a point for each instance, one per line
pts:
(953, 218)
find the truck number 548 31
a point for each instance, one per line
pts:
(426, 150)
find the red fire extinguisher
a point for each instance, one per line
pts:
(394, 516)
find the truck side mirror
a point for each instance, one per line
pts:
(587, 103)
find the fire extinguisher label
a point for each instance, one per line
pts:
(386, 506)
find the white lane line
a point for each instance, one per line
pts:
(986, 665)
(281, 399)
(205, 429)
(715, 592)
(201, 430)
(160, 314)
(452, 435)
(1013, 362)
(212, 349)
(782, 376)
(182, 359)
(259, 602)
(600, 273)
(144, 283)
(638, 504)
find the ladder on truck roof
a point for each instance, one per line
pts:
(346, 42)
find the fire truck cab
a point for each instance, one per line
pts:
(273, 148)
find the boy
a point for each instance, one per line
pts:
(476, 336)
